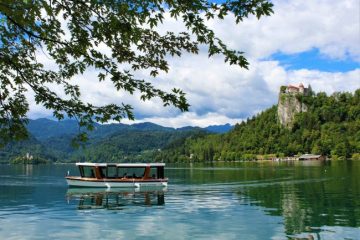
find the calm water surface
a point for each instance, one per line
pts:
(309, 200)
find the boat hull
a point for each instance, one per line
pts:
(115, 184)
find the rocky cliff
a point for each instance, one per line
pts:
(289, 104)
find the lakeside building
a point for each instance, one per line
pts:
(311, 157)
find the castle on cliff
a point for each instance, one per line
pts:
(289, 104)
(295, 89)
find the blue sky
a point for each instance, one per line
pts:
(314, 60)
(313, 42)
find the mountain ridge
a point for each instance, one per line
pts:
(52, 140)
(43, 128)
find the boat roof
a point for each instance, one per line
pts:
(121, 164)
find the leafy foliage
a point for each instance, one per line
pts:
(331, 127)
(72, 34)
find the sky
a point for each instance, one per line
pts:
(314, 42)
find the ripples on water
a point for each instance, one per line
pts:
(219, 202)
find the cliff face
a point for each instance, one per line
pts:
(288, 106)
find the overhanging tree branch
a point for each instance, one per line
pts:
(129, 29)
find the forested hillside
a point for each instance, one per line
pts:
(32, 146)
(331, 127)
(51, 140)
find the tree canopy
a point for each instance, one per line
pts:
(50, 140)
(330, 127)
(71, 33)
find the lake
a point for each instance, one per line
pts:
(268, 200)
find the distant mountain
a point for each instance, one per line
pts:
(130, 146)
(44, 128)
(189, 128)
(212, 129)
(107, 142)
(219, 128)
(148, 126)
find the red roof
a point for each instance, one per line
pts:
(291, 86)
(295, 87)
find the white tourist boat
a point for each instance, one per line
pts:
(120, 175)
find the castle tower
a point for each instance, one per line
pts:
(301, 88)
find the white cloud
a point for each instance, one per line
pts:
(297, 26)
(219, 93)
(189, 119)
(325, 81)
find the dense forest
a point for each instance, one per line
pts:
(330, 127)
(52, 141)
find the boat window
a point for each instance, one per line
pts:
(88, 172)
(81, 169)
(153, 173)
(111, 172)
(160, 172)
(132, 172)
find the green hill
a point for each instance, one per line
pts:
(129, 146)
(331, 126)
(51, 140)
(20, 149)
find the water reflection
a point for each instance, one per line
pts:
(314, 201)
(262, 200)
(115, 199)
(28, 169)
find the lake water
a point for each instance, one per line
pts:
(303, 200)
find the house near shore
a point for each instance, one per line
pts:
(311, 157)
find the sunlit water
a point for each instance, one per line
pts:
(308, 200)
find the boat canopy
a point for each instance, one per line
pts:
(121, 164)
(121, 170)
